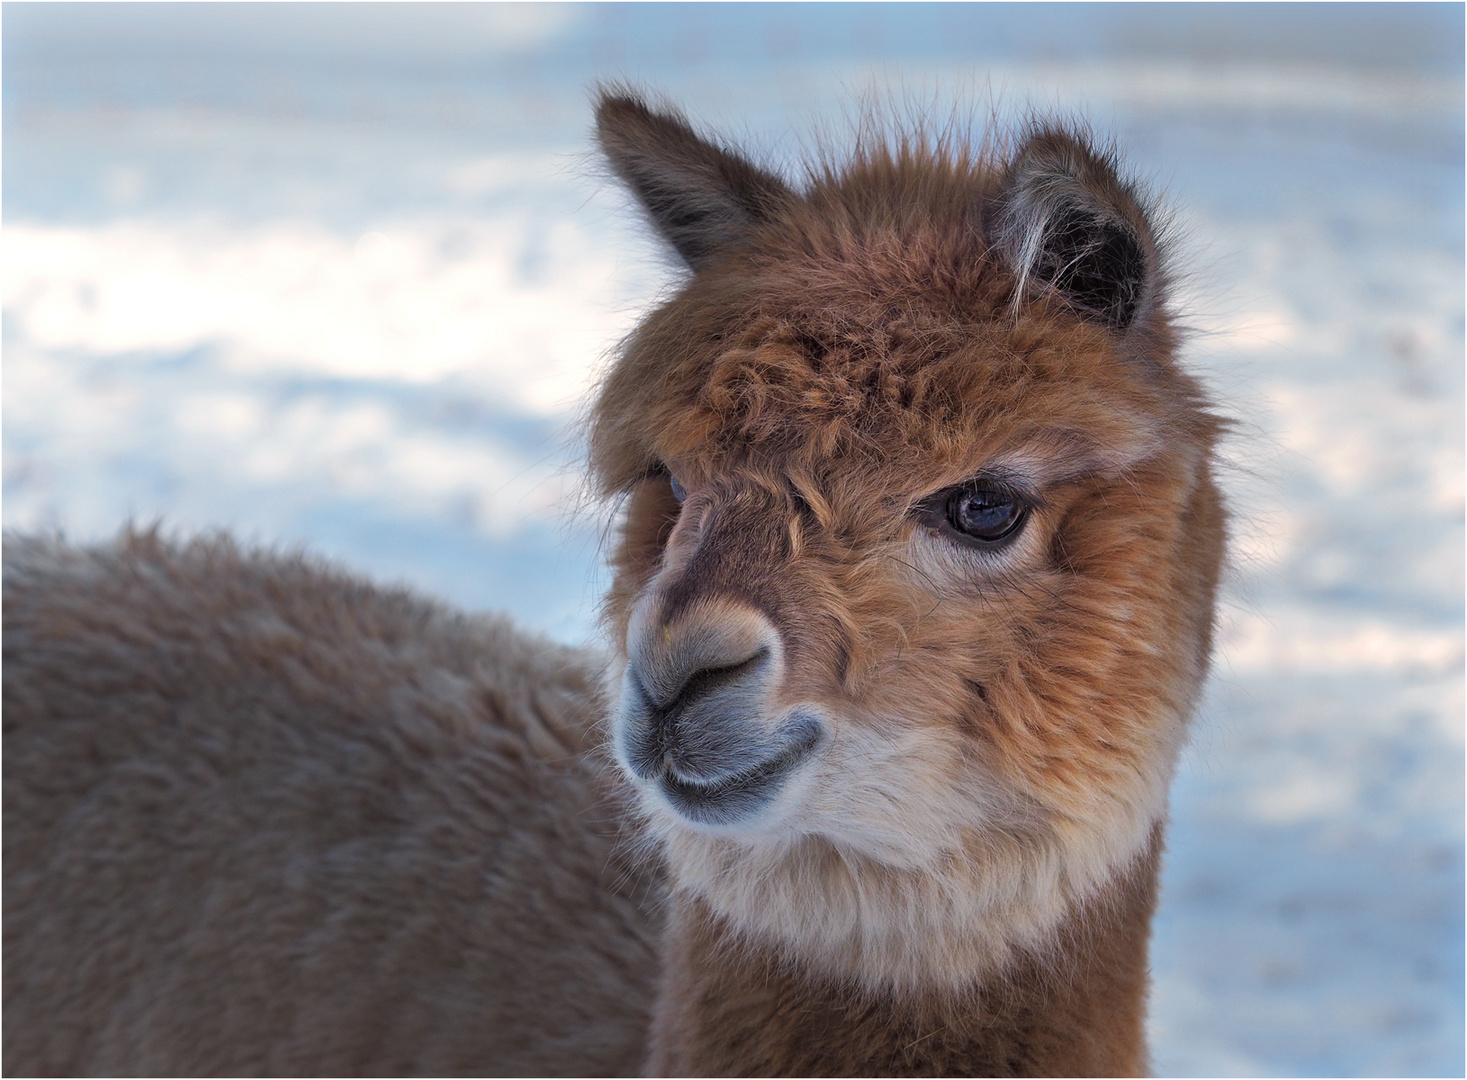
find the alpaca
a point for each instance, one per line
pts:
(262, 818)
(912, 599)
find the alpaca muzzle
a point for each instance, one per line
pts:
(696, 723)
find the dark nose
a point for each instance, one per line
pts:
(676, 735)
(693, 693)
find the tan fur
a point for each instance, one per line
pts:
(261, 818)
(971, 749)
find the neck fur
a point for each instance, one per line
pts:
(1075, 1007)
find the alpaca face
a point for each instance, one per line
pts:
(914, 593)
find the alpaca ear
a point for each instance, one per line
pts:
(1065, 221)
(702, 198)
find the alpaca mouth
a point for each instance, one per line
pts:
(738, 795)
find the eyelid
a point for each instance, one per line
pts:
(1006, 484)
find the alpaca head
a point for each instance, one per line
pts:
(914, 590)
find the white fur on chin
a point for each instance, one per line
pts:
(882, 877)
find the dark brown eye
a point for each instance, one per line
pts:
(677, 489)
(985, 515)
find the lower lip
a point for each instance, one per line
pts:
(726, 801)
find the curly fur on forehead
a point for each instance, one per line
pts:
(875, 309)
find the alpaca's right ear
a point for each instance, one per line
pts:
(1066, 221)
(702, 198)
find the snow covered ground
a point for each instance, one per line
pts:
(339, 276)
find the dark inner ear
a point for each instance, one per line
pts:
(702, 198)
(1064, 219)
(1100, 264)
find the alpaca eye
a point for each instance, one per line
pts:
(985, 515)
(677, 489)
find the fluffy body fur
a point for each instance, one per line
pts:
(913, 599)
(261, 818)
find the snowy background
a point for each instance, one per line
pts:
(340, 276)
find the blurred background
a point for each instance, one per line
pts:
(340, 276)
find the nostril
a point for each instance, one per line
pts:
(707, 680)
(695, 727)
(663, 716)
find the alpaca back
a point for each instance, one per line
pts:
(260, 817)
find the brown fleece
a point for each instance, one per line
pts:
(924, 315)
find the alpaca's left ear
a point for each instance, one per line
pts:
(1064, 221)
